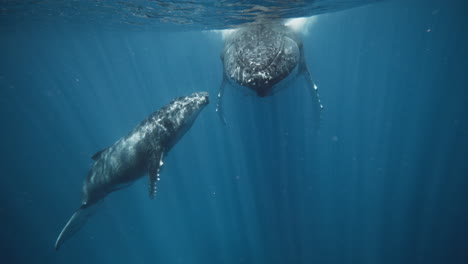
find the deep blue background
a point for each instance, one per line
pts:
(383, 181)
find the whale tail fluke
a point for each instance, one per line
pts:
(75, 223)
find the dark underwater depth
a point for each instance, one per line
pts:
(383, 180)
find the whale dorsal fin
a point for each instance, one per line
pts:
(98, 154)
(154, 166)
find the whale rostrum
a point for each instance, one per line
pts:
(141, 151)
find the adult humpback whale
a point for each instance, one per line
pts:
(259, 56)
(141, 151)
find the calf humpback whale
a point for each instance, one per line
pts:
(140, 152)
(259, 56)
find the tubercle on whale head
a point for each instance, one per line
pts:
(198, 99)
(189, 106)
(192, 105)
(260, 56)
(202, 96)
(180, 114)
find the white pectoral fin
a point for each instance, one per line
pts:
(313, 90)
(154, 166)
(75, 223)
(219, 104)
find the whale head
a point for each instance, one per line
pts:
(261, 55)
(182, 111)
(179, 115)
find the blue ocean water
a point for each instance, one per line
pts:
(384, 179)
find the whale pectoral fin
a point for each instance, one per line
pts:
(219, 105)
(75, 223)
(155, 164)
(313, 89)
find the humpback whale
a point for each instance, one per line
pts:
(139, 152)
(259, 56)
